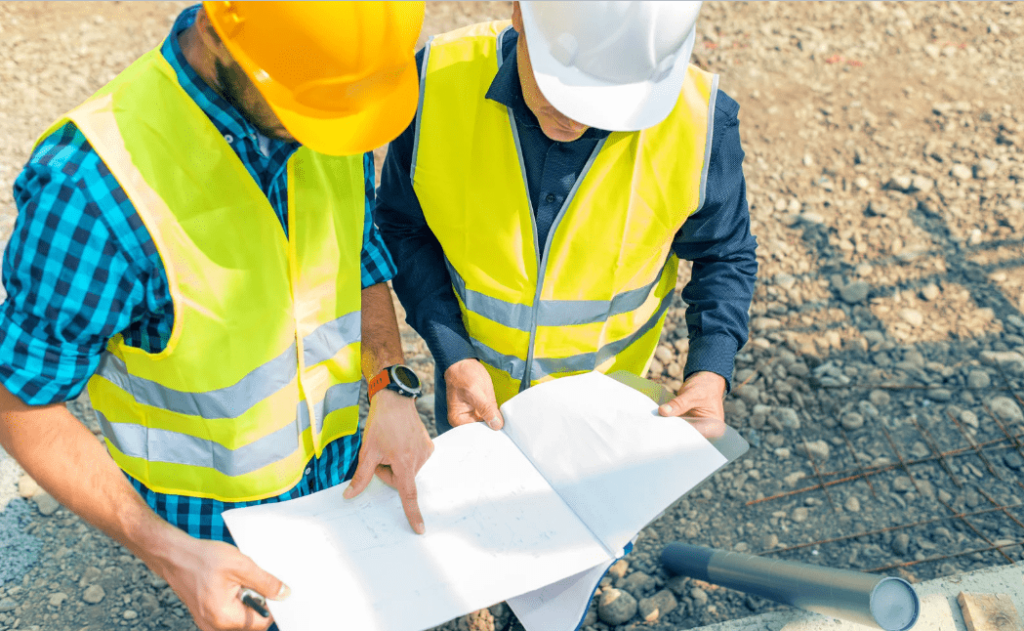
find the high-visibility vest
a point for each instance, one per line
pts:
(594, 296)
(262, 369)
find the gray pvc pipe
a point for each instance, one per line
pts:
(884, 602)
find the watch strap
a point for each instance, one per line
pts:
(378, 383)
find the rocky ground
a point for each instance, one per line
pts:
(884, 172)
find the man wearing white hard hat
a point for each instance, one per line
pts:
(537, 207)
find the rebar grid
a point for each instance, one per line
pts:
(1012, 439)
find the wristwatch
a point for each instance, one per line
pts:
(399, 378)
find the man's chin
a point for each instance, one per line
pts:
(560, 134)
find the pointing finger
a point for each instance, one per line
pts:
(406, 483)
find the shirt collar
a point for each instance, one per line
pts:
(227, 119)
(506, 89)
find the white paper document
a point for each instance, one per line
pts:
(533, 514)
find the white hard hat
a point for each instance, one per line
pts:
(617, 66)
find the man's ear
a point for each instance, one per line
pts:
(517, 18)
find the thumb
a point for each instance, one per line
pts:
(677, 406)
(363, 475)
(491, 415)
(268, 585)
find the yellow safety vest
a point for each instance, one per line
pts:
(599, 299)
(262, 370)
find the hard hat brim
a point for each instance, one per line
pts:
(363, 131)
(600, 104)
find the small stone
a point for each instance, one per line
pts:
(852, 504)
(795, 477)
(788, 417)
(922, 183)
(901, 544)
(1013, 460)
(46, 504)
(6, 604)
(750, 394)
(817, 449)
(782, 452)
(852, 421)
(735, 408)
(93, 594)
(130, 614)
(637, 583)
(770, 541)
(912, 317)
(616, 606)
(1006, 409)
(930, 291)
(961, 172)
(855, 292)
(658, 605)
(89, 576)
(678, 584)
(978, 379)
(699, 596)
(903, 484)
(940, 395)
(618, 569)
(879, 398)
(664, 354)
(800, 514)
(27, 487)
(480, 620)
(969, 418)
(56, 600)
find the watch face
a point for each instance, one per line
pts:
(406, 377)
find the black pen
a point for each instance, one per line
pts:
(254, 601)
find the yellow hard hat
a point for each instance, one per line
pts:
(341, 76)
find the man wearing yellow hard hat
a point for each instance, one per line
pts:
(558, 169)
(195, 243)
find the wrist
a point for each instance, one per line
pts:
(460, 367)
(159, 545)
(708, 378)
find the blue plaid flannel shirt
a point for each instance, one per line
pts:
(81, 267)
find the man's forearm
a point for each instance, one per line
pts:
(381, 344)
(67, 460)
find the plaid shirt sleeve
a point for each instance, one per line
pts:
(76, 273)
(377, 264)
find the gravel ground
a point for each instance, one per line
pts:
(884, 173)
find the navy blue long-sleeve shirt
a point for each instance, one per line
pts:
(716, 238)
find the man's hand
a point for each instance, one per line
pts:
(208, 576)
(395, 446)
(700, 401)
(471, 395)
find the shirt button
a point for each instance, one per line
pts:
(308, 470)
(550, 198)
(228, 138)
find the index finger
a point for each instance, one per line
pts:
(405, 482)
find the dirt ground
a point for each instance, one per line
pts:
(881, 389)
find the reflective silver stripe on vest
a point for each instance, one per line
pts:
(506, 363)
(327, 339)
(228, 402)
(544, 366)
(339, 396)
(550, 312)
(161, 445)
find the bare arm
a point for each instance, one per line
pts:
(395, 442)
(381, 345)
(67, 460)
